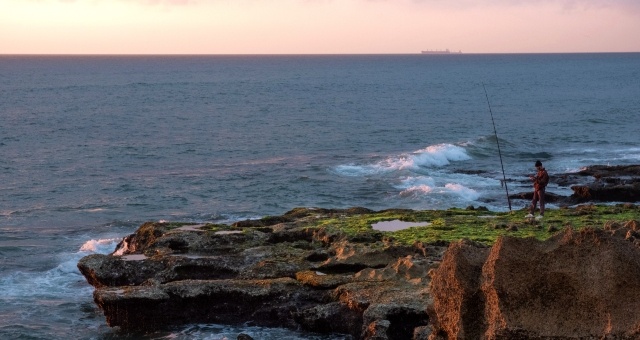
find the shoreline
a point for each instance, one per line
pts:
(320, 270)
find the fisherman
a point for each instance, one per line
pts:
(540, 181)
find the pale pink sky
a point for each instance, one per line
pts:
(317, 26)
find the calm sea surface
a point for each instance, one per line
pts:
(93, 146)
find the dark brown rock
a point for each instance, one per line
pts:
(273, 272)
(610, 193)
(576, 285)
(596, 183)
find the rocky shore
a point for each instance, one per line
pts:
(465, 274)
(596, 183)
(281, 271)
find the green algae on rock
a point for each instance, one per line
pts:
(321, 270)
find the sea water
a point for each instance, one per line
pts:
(93, 146)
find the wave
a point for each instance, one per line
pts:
(416, 187)
(100, 246)
(486, 146)
(433, 156)
(462, 191)
(59, 282)
(439, 155)
(428, 178)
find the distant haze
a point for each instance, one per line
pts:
(317, 26)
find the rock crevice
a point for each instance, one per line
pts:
(576, 285)
(273, 272)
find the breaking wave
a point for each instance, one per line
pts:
(433, 156)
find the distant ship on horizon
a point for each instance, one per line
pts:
(440, 52)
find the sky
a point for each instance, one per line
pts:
(317, 26)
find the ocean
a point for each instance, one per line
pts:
(93, 146)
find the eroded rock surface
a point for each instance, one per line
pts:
(288, 271)
(277, 271)
(576, 285)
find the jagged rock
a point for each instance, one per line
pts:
(330, 317)
(421, 333)
(601, 193)
(596, 183)
(602, 171)
(263, 302)
(455, 288)
(609, 184)
(284, 273)
(576, 285)
(548, 197)
(273, 272)
(377, 330)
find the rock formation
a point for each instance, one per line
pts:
(596, 183)
(268, 272)
(290, 271)
(576, 285)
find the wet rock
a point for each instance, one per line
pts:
(608, 193)
(596, 183)
(608, 184)
(548, 197)
(274, 272)
(287, 274)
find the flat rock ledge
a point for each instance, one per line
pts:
(274, 272)
(286, 271)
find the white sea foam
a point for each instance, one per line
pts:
(101, 246)
(415, 191)
(462, 191)
(433, 156)
(416, 186)
(58, 282)
(465, 187)
(416, 181)
(440, 155)
(352, 170)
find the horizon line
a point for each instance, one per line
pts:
(302, 54)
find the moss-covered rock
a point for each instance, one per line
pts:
(310, 268)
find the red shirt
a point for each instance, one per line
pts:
(541, 180)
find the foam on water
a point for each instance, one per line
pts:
(439, 155)
(60, 281)
(34, 296)
(462, 191)
(384, 137)
(224, 332)
(101, 246)
(418, 186)
(426, 176)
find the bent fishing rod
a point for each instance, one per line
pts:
(504, 177)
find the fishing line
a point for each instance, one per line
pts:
(504, 177)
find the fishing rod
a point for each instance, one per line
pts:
(504, 177)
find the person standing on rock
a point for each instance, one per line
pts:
(540, 181)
